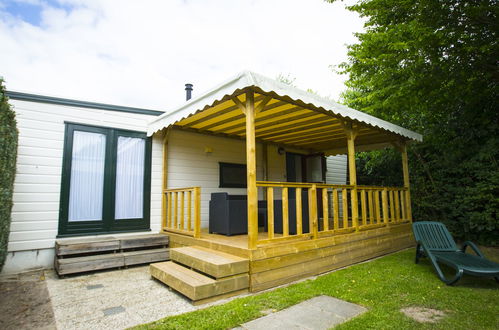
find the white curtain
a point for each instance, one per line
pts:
(129, 178)
(87, 176)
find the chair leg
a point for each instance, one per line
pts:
(436, 266)
(419, 253)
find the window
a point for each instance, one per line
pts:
(106, 181)
(232, 175)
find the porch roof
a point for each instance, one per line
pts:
(287, 116)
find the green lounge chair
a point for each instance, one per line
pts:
(435, 241)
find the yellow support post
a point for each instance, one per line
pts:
(405, 171)
(351, 134)
(249, 111)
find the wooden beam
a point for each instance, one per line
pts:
(260, 106)
(351, 133)
(239, 104)
(405, 171)
(282, 119)
(252, 192)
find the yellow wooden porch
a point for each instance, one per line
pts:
(346, 223)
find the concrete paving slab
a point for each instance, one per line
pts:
(322, 312)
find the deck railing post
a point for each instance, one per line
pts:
(384, 202)
(197, 212)
(312, 211)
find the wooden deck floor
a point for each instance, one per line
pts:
(279, 263)
(238, 241)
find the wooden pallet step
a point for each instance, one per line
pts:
(194, 285)
(214, 263)
(140, 241)
(84, 245)
(73, 246)
(89, 263)
(146, 256)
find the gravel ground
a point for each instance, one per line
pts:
(114, 299)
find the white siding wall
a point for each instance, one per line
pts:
(336, 172)
(189, 165)
(35, 212)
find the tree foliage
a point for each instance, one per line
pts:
(8, 155)
(432, 66)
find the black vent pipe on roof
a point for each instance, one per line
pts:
(188, 91)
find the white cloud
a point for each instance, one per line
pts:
(140, 53)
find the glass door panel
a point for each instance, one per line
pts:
(129, 196)
(87, 177)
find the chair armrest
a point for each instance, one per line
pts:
(474, 247)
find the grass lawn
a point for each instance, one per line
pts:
(384, 286)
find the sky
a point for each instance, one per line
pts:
(141, 53)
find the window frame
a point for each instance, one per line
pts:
(222, 183)
(108, 224)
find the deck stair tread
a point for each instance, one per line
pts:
(194, 285)
(214, 263)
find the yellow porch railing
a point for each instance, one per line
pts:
(182, 211)
(330, 209)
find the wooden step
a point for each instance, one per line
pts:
(214, 263)
(85, 245)
(72, 246)
(146, 256)
(194, 285)
(89, 263)
(140, 241)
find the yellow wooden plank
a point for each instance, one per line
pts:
(363, 206)
(377, 206)
(336, 210)
(299, 229)
(397, 206)
(344, 199)
(182, 221)
(325, 209)
(197, 211)
(371, 206)
(285, 212)
(384, 202)
(392, 208)
(252, 192)
(170, 215)
(189, 210)
(270, 212)
(175, 210)
(208, 261)
(312, 211)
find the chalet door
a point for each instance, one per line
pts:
(105, 181)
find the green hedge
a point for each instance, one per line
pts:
(8, 155)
